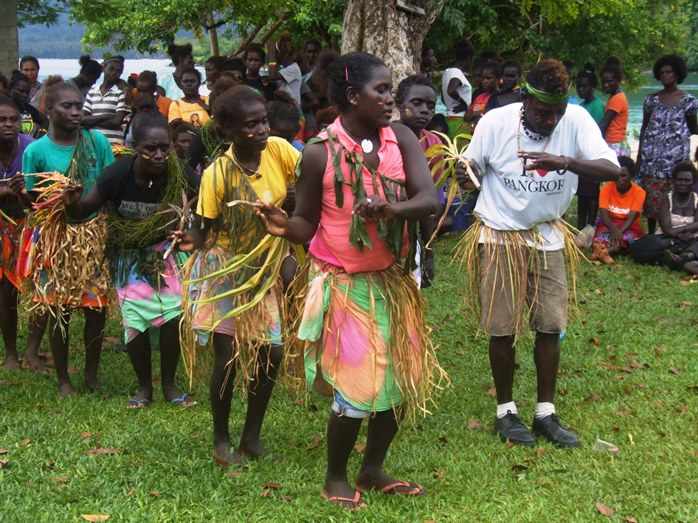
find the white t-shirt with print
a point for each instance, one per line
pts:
(512, 201)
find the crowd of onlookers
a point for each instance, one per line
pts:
(295, 85)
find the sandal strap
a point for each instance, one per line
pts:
(391, 488)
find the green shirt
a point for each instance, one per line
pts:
(45, 155)
(595, 108)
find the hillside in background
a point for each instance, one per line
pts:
(60, 40)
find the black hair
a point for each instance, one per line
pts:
(549, 75)
(683, 166)
(143, 100)
(143, 122)
(463, 51)
(587, 73)
(438, 123)
(677, 64)
(55, 85)
(234, 64)
(177, 52)
(150, 76)
(228, 108)
(89, 66)
(17, 77)
(404, 86)
(313, 41)
(183, 127)
(491, 66)
(6, 101)
(614, 67)
(278, 111)
(350, 70)
(4, 83)
(191, 70)
(511, 64)
(627, 163)
(28, 58)
(255, 48)
(217, 62)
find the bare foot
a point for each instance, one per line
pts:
(222, 455)
(34, 363)
(342, 494)
(379, 480)
(11, 362)
(251, 449)
(66, 389)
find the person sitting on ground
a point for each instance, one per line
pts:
(106, 107)
(614, 125)
(620, 208)
(456, 91)
(509, 91)
(678, 219)
(192, 107)
(147, 83)
(285, 122)
(588, 190)
(29, 67)
(33, 122)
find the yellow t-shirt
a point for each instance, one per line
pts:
(277, 168)
(188, 112)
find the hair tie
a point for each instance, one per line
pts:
(346, 73)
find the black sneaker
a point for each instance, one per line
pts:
(510, 428)
(550, 428)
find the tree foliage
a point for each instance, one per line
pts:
(38, 11)
(636, 31)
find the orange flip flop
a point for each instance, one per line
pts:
(394, 488)
(354, 503)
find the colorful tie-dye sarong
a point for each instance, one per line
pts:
(148, 300)
(9, 236)
(367, 337)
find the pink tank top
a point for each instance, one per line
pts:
(331, 241)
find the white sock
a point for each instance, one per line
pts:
(544, 409)
(505, 408)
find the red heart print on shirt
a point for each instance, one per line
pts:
(542, 172)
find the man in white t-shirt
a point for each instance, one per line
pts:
(530, 155)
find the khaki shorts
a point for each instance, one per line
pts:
(534, 290)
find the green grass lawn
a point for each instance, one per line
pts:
(629, 376)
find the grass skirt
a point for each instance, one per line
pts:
(364, 334)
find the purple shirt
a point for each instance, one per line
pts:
(16, 164)
(12, 206)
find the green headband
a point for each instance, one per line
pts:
(545, 97)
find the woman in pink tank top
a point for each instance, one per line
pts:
(364, 184)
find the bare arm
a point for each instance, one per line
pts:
(607, 119)
(114, 121)
(692, 122)
(79, 206)
(597, 170)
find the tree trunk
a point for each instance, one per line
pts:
(213, 37)
(383, 28)
(9, 45)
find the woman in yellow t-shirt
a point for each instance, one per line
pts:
(233, 293)
(192, 108)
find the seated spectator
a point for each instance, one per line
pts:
(678, 219)
(192, 107)
(620, 208)
(285, 122)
